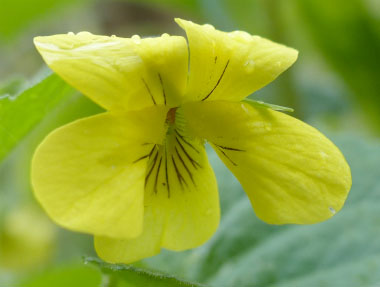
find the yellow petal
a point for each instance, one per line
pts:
(89, 174)
(181, 203)
(231, 66)
(290, 171)
(119, 73)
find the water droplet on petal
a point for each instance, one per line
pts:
(245, 109)
(332, 210)
(240, 35)
(249, 65)
(71, 34)
(136, 39)
(209, 212)
(165, 35)
(323, 154)
(84, 33)
(113, 36)
(208, 26)
(268, 127)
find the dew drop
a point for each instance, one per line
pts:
(71, 33)
(113, 36)
(84, 33)
(332, 210)
(136, 39)
(245, 109)
(249, 65)
(208, 26)
(241, 35)
(268, 127)
(165, 35)
(323, 154)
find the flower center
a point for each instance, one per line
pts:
(170, 117)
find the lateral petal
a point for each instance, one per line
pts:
(89, 174)
(289, 170)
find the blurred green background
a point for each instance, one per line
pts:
(334, 86)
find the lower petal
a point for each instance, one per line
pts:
(89, 174)
(290, 171)
(181, 203)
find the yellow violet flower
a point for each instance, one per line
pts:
(137, 176)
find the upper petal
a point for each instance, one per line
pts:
(89, 174)
(231, 66)
(181, 203)
(290, 171)
(120, 73)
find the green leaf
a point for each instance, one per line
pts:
(362, 273)
(184, 5)
(348, 36)
(119, 275)
(21, 113)
(17, 15)
(10, 87)
(66, 276)
(262, 104)
(300, 252)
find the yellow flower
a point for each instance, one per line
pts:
(137, 176)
